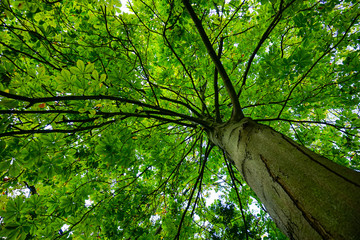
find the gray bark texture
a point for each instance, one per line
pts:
(307, 195)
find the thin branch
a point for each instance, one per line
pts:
(263, 104)
(266, 34)
(193, 191)
(231, 18)
(17, 66)
(111, 196)
(244, 31)
(137, 53)
(207, 153)
(231, 172)
(179, 95)
(40, 112)
(141, 21)
(315, 63)
(168, 44)
(176, 169)
(182, 103)
(23, 132)
(296, 134)
(31, 56)
(339, 128)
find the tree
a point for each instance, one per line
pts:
(120, 126)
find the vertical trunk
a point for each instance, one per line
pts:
(308, 196)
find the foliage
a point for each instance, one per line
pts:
(105, 113)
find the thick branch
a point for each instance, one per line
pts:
(237, 112)
(163, 111)
(143, 114)
(216, 87)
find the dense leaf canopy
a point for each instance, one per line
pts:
(104, 114)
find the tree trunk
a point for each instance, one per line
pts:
(307, 195)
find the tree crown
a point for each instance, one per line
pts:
(105, 113)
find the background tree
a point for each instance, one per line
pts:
(119, 125)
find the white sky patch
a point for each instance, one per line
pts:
(154, 218)
(48, 127)
(254, 209)
(24, 191)
(213, 195)
(88, 202)
(124, 7)
(65, 227)
(268, 47)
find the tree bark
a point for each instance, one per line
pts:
(307, 195)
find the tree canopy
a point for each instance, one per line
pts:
(105, 114)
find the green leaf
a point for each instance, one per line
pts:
(356, 123)
(92, 112)
(75, 70)
(95, 75)
(65, 201)
(102, 77)
(66, 75)
(81, 66)
(14, 169)
(117, 109)
(89, 68)
(4, 163)
(2, 146)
